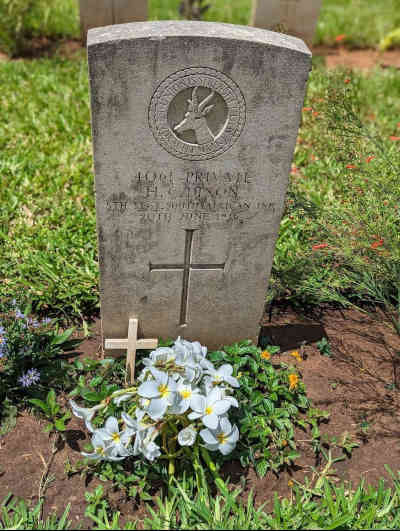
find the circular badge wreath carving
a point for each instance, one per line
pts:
(197, 113)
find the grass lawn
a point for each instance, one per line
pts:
(362, 22)
(339, 239)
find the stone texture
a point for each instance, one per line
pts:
(295, 17)
(191, 182)
(96, 13)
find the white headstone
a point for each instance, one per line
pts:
(295, 17)
(96, 13)
(194, 127)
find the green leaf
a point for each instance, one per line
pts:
(261, 467)
(49, 427)
(62, 338)
(60, 425)
(40, 404)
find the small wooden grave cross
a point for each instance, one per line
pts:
(131, 345)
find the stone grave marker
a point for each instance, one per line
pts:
(194, 127)
(95, 13)
(295, 17)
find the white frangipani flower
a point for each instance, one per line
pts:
(224, 438)
(187, 436)
(161, 391)
(187, 395)
(209, 408)
(175, 381)
(101, 451)
(122, 398)
(85, 413)
(223, 374)
(116, 440)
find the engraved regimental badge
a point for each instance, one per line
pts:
(197, 113)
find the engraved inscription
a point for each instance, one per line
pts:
(197, 113)
(199, 197)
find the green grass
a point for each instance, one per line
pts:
(363, 22)
(47, 218)
(186, 507)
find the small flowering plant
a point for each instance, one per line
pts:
(181, 402)
(30, 351)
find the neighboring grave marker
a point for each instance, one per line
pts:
(95, 13)
(295, 17)
(194, 127)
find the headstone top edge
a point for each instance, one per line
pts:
(159, 30)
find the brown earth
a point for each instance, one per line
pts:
(356, 384)
(360, 59)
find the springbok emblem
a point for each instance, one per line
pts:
(195, 118)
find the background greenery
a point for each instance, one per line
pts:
(336, 198)
(362, 22)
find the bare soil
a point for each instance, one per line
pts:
(356, 384)
(357, 59)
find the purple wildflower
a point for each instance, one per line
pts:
(19, 314)
(31, 377)
(3, 346)
(2, 330)
(33, 322)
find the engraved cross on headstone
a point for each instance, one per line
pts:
(186, 267)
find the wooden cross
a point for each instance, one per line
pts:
(186, 267)
(131, 345)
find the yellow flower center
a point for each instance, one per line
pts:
(186, 394)
(265, 355)
(209, 410)
(222, 438)
(115, 437)
(99, 450)
(163, 390)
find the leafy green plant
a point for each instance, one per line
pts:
(324, 347)
(272, 402)
(52, 411)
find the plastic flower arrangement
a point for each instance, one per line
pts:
(181, 401)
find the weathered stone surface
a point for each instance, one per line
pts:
(194, 127)
(295, 17)
(96, 13)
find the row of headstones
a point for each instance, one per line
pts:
(295, 17)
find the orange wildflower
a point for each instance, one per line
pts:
(394, 138)
(340, 37)
(265, 355)
(293, 381)
(377, 244)
(307, 108)
(319, 246)
(290, 483)
(296, 355)
(347, 80)
(368, 159)
(351, 166)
